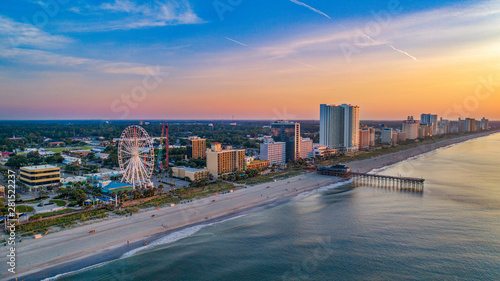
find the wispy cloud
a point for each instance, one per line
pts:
(61, 62)
(310, 8)
(27, 44)
(133, 15)
(17, 34)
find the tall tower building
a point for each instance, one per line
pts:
(289, 133)
(431, 120)
(197, 148)
(339, 126)
(410, 127)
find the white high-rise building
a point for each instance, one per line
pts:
(339, 126)
(306, 148)
(386, 135)
(410, 127)
(275, 152)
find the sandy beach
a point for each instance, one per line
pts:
(57, 251)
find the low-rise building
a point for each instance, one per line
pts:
(80, 153)
(3, 160)
(102, 156)
(109, 187)
(45, 153)
(71, 160)
(257, 164)
(40, 176)
(103, 176)
(192, 173)
(73, 180)
(323, 150)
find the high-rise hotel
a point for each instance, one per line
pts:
(339, 126)
(289, 133)
(221, 161)
(197, 148)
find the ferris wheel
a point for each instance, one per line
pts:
(136, 156)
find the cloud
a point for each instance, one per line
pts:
(310, 8)
(134, 16)
(16, 34)
(27, 44)
(45, 58)
(428, 32)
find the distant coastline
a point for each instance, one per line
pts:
(75, 248)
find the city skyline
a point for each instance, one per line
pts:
(85, 60)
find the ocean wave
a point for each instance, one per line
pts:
(76, 271)
(168, 239)
(175, 236)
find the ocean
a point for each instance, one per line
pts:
(451, 231)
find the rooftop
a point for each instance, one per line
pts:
(39, 167)
(189, 169)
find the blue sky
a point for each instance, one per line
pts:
(57, 55)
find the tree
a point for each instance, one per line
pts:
(91, 156)
(17, 161)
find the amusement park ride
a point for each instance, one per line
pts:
(160, 165)
(136, 155)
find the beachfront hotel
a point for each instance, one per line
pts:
(410, 127)
(273, 151)
(222, 161)
(40, 176)
(188, 172)
(339, 127)
(289, 133)
(197, 148)
(431, 120)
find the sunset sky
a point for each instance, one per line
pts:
(248, 59)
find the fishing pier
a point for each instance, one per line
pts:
(401, 183)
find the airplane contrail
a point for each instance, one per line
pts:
(392, 47)
(236, 41)
(310, 8)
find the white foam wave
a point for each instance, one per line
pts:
(175, 236)
(76, 271)
(170, 238)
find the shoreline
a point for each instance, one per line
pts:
(80, 250)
